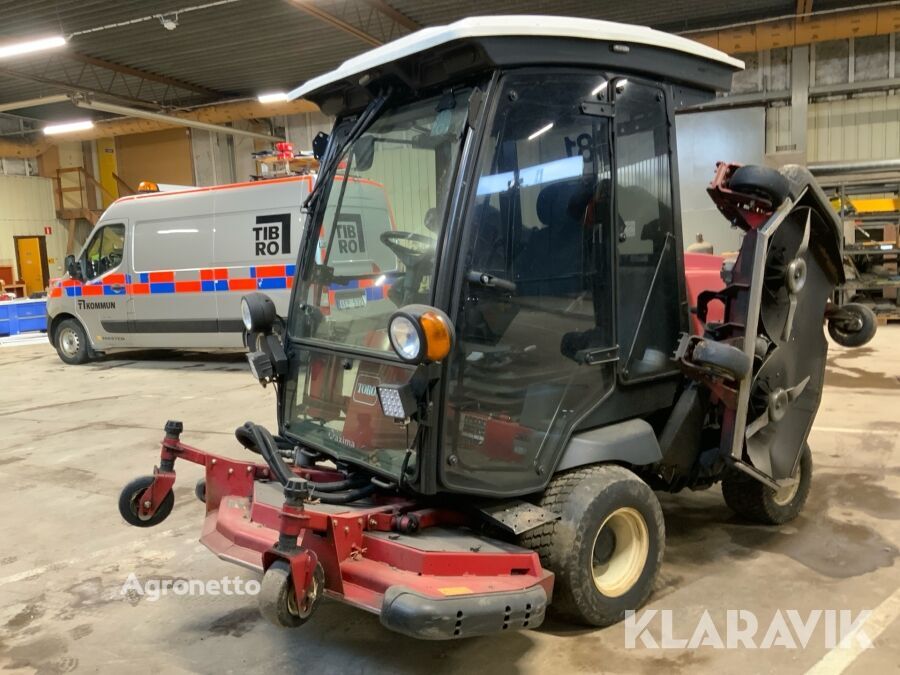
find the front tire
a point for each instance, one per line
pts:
(758, 503)
(71, 342)
(607, 547)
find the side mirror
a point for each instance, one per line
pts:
(320, 144)
(72, 267)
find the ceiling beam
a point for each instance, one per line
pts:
(332, 20)
(32, 102)
(213, 114)
(394, 15)
(374, 22)
(804, 9)
(172, 119)
(70, 87)
(143, 74)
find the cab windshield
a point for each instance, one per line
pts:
(372, 251)
(378, 230)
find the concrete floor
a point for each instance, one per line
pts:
(73, 436)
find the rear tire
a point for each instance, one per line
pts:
(607, 547)
(71, 342)
(756, 502)
(763, 181)
(851, 336)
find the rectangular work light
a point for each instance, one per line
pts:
(397, 400)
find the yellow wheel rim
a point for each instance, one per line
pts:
(619, 553)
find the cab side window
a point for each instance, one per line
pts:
(649, 312)
(105, 251)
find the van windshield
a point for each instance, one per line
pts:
(380, 224)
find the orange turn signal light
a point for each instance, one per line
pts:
(438, 339)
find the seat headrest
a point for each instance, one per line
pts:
(563, 203)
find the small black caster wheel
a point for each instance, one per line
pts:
(277, 600)
(129, 507)
(200, 490)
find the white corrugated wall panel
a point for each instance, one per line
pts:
(26, 208)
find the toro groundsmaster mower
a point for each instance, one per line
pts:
(494, 354)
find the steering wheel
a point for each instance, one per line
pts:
(409, 247)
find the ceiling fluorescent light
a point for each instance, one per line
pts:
(276, 97)
(542, 130)
(68, 126)
(19, 48)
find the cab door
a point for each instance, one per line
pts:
(101, 302)
(534, 318)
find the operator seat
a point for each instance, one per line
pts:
(551, 261)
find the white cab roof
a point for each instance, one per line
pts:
(514, 26)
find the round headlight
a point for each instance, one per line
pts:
(405, 338)
(245, 315)
(257, 312)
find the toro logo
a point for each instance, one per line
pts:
(272, 234)
(366, 390)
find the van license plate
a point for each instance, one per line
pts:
(350, 299)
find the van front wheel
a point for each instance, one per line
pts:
(71, 343)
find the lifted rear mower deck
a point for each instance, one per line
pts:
(422, 570)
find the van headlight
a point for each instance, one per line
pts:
(420, 333)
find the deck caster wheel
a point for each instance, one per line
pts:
(607, 547)
(129, 507)
(278, 601)
(856, 330)
(200, 490)
(756, 502)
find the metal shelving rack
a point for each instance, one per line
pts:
(870, 209)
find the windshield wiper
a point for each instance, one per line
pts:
(366, 117)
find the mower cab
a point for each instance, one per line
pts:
(489, 364)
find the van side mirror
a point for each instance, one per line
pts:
(72, 267)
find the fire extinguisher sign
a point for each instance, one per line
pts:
(48, 230)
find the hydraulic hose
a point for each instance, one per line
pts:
(352, 482)
(336, 492)
(263, 440)
(344, 497)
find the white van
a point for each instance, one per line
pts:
(168, 269)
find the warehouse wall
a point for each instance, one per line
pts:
(27, 209)
(704, 139)
(159, 156)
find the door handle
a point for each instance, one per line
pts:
(117, 287)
